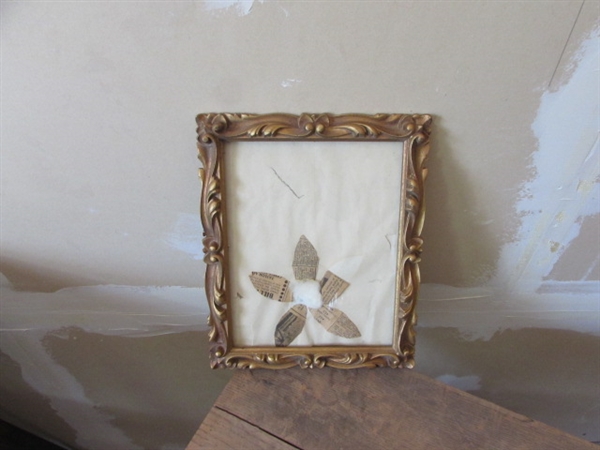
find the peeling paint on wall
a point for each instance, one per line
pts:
(64, 392)
(568, 157)
(28, 319)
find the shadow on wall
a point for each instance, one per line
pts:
(546, 374)
(449, 221)
(27, 275)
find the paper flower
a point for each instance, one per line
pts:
(306, 293)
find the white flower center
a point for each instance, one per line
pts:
(307, 292)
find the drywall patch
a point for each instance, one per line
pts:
(479, 313)
(241, 7)
(123, 312)
(132, 311)
(66, 395)
(18, 400)
(568, 157)
(157, 389)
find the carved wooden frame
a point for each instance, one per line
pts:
(214, 131)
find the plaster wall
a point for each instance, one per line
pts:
(102, 326)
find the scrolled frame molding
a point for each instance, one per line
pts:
(214, 130)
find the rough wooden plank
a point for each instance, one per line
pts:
(332, 409)
(221, 431)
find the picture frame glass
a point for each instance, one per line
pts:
(344, 198)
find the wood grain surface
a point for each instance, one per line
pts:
(364, 409)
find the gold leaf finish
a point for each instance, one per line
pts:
(390, 127)
(214, 131)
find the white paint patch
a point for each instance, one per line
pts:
(241, 7)
(289, 82)
(478, 313)
(570, 287)
(131, 311)
(468, 383)
(568, 158)
(187, 235)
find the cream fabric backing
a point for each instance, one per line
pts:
(348, 207)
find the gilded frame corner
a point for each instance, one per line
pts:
(214, 131)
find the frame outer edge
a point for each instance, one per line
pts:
(215, 128)
(212, 214)
(414, 216)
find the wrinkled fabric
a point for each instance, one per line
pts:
(345, 198)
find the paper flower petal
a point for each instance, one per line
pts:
(306, 260)
(332, 287)
(290, 326)
(336, 322)
(272, 286)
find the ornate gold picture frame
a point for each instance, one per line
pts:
(312, 237)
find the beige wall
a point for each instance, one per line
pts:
(103, 315)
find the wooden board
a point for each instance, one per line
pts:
(358, 409)
(223, 430)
